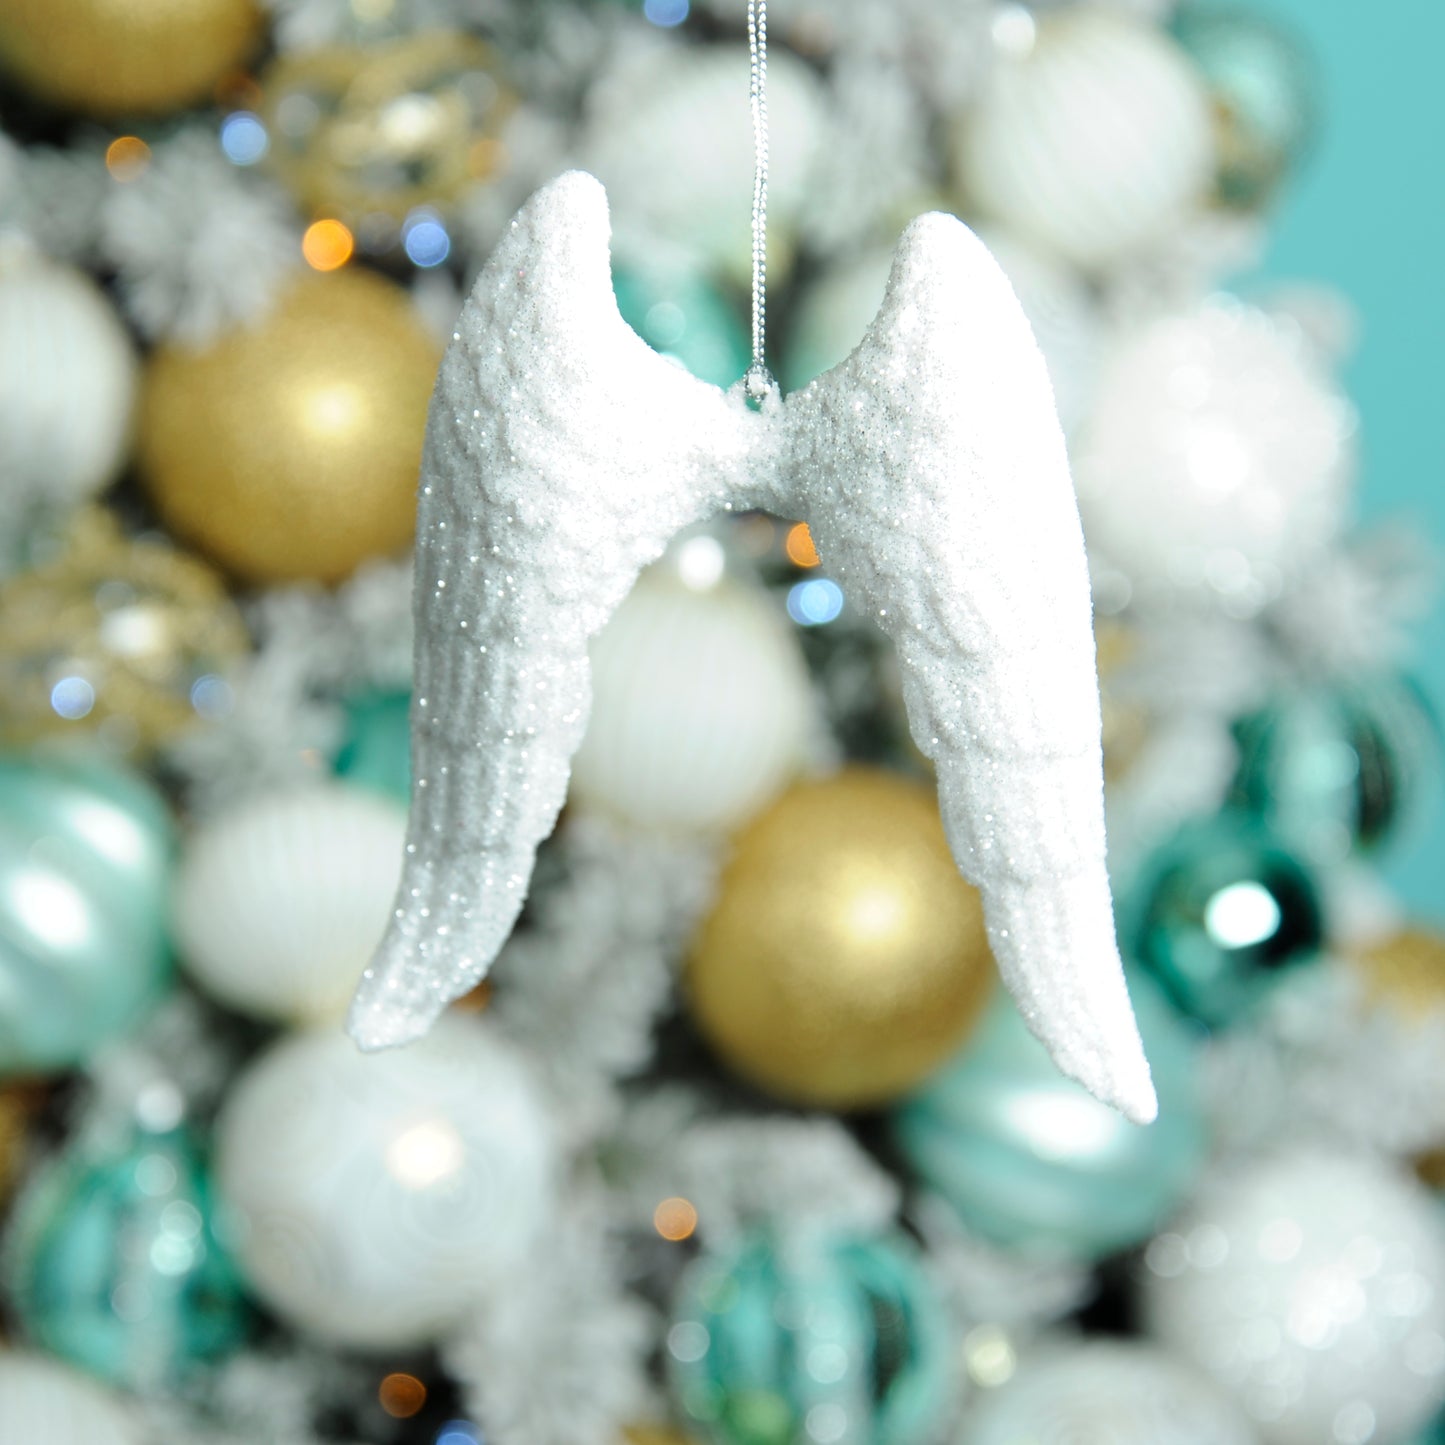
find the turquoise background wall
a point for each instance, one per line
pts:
(1367, 214)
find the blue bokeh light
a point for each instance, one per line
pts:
(459, 1432)
(244, 138)
(665, 12)
(815, 601)
(72, 698)
(425, 239)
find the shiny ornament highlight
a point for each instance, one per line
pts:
(564, 450)
(675, 311)
(1093, 142)
(84, 871)
(1106, 1392)
(810, 1338)
(1311, 1286)
(1263, 91)
(702, 709)
(115, 57)
(1029, 1159)
(43, 1400)
(380, 129)
(115, 1262)
(380, 1197)
(1217, 458)
(1217, 912)
(288, 450)
(844, 958)
(67, 386)
(121, 638)
(1333, 767)
(281, 898)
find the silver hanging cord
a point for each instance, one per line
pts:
(758, 381)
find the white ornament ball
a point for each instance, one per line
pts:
(670, 136)
(378, 1196)
(67, 384)
(1217, 457)
(702, 709)
(281, 900)
(1106, 1392)
(1312, 1287)
(836, 309)
(43, 1402)
(1092, 141)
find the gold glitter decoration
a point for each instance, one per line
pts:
(844, 959)
(290, 450)
(112, 637)
(1407, 971)
(117, 57)
(384, 128)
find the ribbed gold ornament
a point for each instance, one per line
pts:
(112, 636)
(845, 958)
(289, 450)
(1407, 970)
(416, 120)
(115, 57)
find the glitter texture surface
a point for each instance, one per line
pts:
(561, 457)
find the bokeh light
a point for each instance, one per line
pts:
(675, 1218)
(327, 245)
(799, 546)
(244, 138)
(666, 13)
(126, 157)
(814, 602)
(401, 1395)
(425, 239)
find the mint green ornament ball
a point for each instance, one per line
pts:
(1031, 1160)
(791, 1340)
(376, 749)
(116, 1262)
(85, 857)
(680, 314)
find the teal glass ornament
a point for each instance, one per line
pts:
(1217, 914)
(681, 315)
(1264, 93)
(376, 749)
(792, 1340)
(1337, 767)
(115, 1261)
(1032, 1161)
(85, 855)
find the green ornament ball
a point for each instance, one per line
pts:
(680, 314)
(85, 859)
(791, 1340)
(1218, 913)
(1031, 1160)
(117, 1265)
(375, 750)
(1263, 89)
(1336, 768)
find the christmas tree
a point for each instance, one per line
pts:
(740, 1142)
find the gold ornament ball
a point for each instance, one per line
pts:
(108, 57)
(1406, 971)
(113, 637)
(383, 128)
(844, 958)
(289, 450)
(654, 1435)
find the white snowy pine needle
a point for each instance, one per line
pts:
(559, 1356)
(198, 245)
(1323, 1061)
(582, 988)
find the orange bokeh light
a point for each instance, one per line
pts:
(401, 1396)
(327, 245)
(126, 157)
(675, 1218)
(799, 546)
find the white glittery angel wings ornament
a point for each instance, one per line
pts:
(562, 455)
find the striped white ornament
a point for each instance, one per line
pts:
(1099, 1390)
(1094, 142)
(378, 1197)
(280, 900)
(67, 384)
(702, 709)
(43, 1402)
